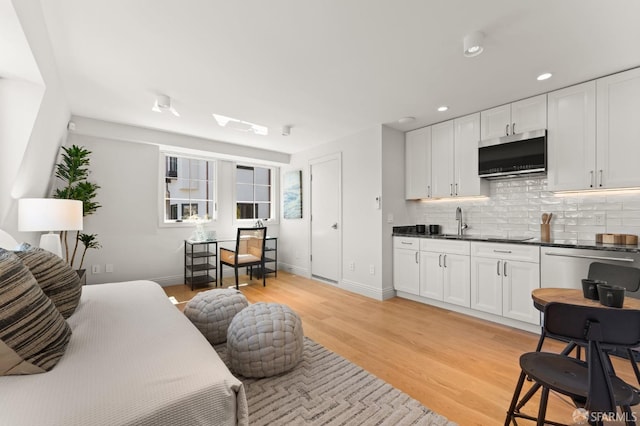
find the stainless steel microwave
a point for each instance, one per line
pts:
(513, 156)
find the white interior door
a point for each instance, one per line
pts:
(325, 218)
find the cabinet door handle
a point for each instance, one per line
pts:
(450, 189)
(591, 179)
(405, 243)
(498, 268)
(439, 261)
(445, 260)
(513, 128)
(502, 251)
(428, 191)
(506, 130)
(504, 268)
(600, 177)
(417, 258)
(456, 189)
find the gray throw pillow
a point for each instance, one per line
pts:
(33, 334)
(57, 279)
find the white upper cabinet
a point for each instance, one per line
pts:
(518, 117)
(466, 137)
(418, 164)
(571, 138)
(442, 159)
(618, 130)
(594, 129)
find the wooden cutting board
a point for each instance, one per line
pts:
(626, 239)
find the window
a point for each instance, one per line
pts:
(254, 192)
(189, 189)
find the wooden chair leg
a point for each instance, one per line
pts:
(542, 410)
(236, 271)
(264, 276)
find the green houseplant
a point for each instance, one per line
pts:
(73, 172)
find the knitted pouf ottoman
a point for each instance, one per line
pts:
(212, 311)
(264, 339)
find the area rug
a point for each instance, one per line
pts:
(326, 389)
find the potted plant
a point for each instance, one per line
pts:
(73, 171)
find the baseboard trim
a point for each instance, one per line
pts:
(295, 270)
(365, 290)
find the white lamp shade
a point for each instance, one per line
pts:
(49, 214)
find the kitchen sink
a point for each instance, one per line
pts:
(481, 238)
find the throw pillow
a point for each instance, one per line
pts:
(57, 279)
(33, 334)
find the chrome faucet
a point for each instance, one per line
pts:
(461, 226)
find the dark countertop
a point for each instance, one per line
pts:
(410, 231)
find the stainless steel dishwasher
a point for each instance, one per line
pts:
(566, 267)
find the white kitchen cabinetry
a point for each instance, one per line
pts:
(445, 271)
(517, 117)
(466, 137)
(618, 130)
(442, 159)
(502, 279)
(406, 266)
(593, 132)
(571, 138)
(418, 164)
(454, 161)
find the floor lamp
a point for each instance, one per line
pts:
(49, 214)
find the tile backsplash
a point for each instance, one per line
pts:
(514, 208)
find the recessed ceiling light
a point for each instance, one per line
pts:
(404, 120)
(443, 108)
(544, 76)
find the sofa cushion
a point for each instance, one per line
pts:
(57, 279)
(33, 334)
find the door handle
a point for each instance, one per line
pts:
(428, 191)
(456, 192)
(334, 226)
(506, 130)
(417, 259)
(513, 128)
(498, 268)
(600, 177)
(440, 261)
(444, 258)
(504, 269)
(591, 179)
(450, 189)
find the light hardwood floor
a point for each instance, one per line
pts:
(461, 367)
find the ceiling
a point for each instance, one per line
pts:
(328, 68)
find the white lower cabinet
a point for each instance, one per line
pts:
(444, 271)
(406, 266)
(502, 279)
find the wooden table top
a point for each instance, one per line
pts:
(542, 296)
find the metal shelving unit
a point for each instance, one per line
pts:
(200, 260)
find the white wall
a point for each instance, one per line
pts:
(365, 155)
(36, 159)
(127, 224)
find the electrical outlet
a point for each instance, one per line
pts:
(352, 266)
(108, 268)
(600, 218)
(95, 269)
(372, 269)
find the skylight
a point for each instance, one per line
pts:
(241, 125)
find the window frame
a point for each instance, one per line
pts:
(274, 193)
(162, 214)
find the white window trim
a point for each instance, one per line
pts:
(275, 196)
(161, 188)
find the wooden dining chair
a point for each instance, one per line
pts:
(249, 252)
